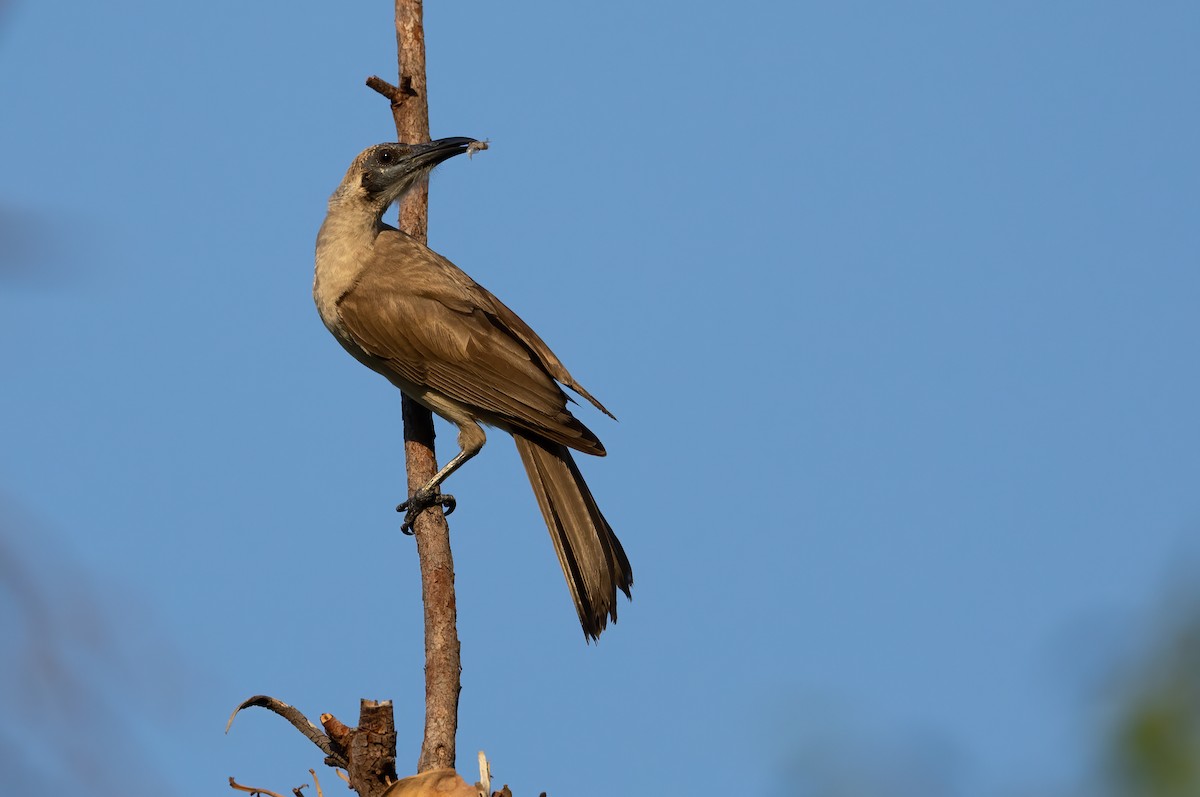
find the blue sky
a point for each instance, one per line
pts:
(897, 307)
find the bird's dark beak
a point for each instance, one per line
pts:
(428, 155)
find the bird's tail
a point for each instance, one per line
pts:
(590, 554)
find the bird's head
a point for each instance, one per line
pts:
(382, 174)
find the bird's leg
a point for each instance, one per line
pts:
(470, 440)
(429, 495)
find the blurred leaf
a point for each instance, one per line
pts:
(1156, 743)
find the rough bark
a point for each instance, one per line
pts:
(369, 750)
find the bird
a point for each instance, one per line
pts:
(411, 315)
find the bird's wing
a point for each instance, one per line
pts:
(433, 326)
(517, 327)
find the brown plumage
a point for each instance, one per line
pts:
(413, 316)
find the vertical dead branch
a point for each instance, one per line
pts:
(410, 109)
(368, 752)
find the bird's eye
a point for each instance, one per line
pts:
(385, 156)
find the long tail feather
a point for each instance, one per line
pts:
(590, 554)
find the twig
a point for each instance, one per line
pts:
(316, 782)
(233, 784)
(397, 94)
(485, 776)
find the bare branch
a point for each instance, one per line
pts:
(443, 664)
(298, 720)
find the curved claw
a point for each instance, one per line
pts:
(420, 501)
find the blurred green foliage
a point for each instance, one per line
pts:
(1155, 746)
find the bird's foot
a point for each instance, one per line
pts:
(420, 501)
